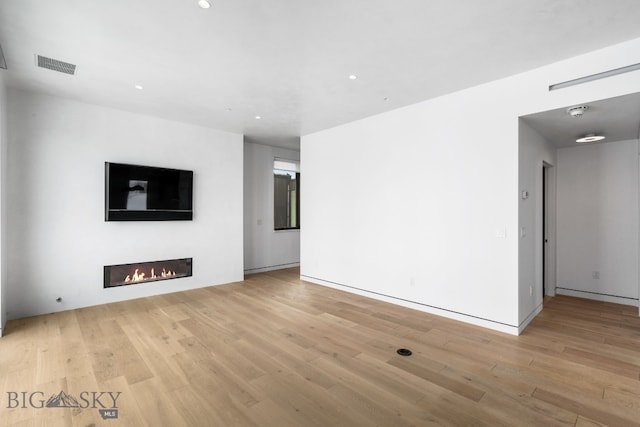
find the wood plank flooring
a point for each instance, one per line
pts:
(277, 351)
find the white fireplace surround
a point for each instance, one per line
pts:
(56, 203)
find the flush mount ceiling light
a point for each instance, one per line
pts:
(258, 117)
(577, 111)
(204, 4)
(139, 87)
(591, 137)
(352, 77)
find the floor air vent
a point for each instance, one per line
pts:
(55, 65)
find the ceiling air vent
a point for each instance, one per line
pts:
(55, 65)
(597, 76)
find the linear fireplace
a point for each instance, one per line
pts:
(142, 272)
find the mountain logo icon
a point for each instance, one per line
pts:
(62, 400)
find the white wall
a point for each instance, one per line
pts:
(58, 241)
(431, 187)
(598, 221)
(3, 201)
(264, 248)
(534, 152)
(407, 205)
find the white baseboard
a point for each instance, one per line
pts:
(477, 321)
(529, 318)
(271, 268)
(597, 297)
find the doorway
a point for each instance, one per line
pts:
(548, 230)
(545, 240)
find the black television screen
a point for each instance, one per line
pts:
(145, 193)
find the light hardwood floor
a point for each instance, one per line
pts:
(276, 351)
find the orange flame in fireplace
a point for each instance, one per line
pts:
(141, 276)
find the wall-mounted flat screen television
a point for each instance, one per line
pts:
(145, 193)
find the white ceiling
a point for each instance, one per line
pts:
(617, 119)
(289, 60)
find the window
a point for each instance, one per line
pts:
(286, 195)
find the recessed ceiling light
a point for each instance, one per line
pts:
(592, 137)
(139, 87)
(385, 98)
(353, 77)
(258, 117)
(204, 4)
